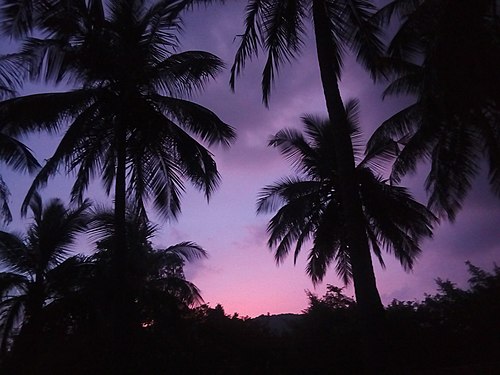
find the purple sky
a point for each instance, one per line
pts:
(240, 273)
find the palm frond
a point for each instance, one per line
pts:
(42, 111)
(326, 245)
(197, 119)
(397, 221)
(11, 312)
(403, 124)
(283, 33)
(380, 156)
(16, 154)
(363, 34)
(55, 228)
(160, 22)
(184, 73)
(292, 224)
(10, 282)
(251, 39)
(454, 166)
(13, 253)
(182, 290)
(91, 154)
(418, 146)
(271, 197)
(409, 83)
(189, 251)
(65, 153)
(12, 73)
(396, 8)
(294, 147)
(17, 17)
(4, 202)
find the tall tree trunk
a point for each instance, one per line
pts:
(120, 324)
(368, 299)
(120, 188)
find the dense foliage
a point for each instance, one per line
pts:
(453, 330)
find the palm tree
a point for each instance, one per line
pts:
(279, 27)
(446, 54)
(308, 206)
(129, 120)
(125, 314)
(30, 261)
(155, 276)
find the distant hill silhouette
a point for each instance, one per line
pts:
(280, 323)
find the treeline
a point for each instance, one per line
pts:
(454, 331)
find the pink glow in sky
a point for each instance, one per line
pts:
(240, 273)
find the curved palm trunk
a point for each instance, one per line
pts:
(368, 299)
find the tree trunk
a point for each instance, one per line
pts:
(120, 324)
(120, 188)
(368, 299)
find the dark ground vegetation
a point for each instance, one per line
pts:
(455, 331)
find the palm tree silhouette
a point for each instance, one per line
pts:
(125, 314)
(446, 54)
(31, 263)
(155, 277)
(279, 27)
(308, 207)
(129, 121)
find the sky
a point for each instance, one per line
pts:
(240, 273)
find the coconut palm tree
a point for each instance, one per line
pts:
(128, 120)
(308, 206)
(446, 54)
(153, 275)
(125, 314)
(30, 262)
(279, 27)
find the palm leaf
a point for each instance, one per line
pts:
(16, 154)
(188, 251)
(4, 202)
(13, 253)
(11, 311)
(250, 39)
(273, 196)
(197, 119)
(185, 73)
(454, 165)
(17, 17)
(398, 222)
(42, 111)
(363, 34)
(283, 31)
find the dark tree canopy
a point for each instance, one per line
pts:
(446, 54)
